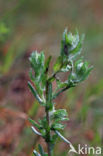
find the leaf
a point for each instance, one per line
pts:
(34, 123)
(67, 141)
(61, 84)
(36, 153)
(43, 124)
(40, 86)
(47, 63)
(72, 79)
(57, 126)
(64, 34)
(43, 132)
(66, 68)
(85, 76)
(37, 62)
(71, 45)
(41, 150)
(77, 50)
(32, 77)
(58, 64)
(54, 138)
(81, 72)
(60, 115)
(35, 131)
(81, 67)
(35, 93)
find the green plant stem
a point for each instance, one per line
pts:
(52, 78)
(48, 136)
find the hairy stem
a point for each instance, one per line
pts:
(48, 121)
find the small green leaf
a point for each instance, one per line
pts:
(47, 63)
(43, 132)
(66, 68)
(34, 123)
(32, 77)
(58, 64)
(72, 79)
(37, 62)
(35, 131)
(57, 126)
(35, 93)
(61, 84)
(81, 72)
(77, 50)
(41, 150)
(86, 74)
(81, 67)
(54, 138)
(71, 45)
(43, 123)
(60, 115)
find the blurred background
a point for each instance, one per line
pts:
(38, 24)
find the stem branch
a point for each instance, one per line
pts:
(48, 121)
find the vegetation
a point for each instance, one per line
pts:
(69, 63)
(29, 25)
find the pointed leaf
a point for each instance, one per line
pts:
(36, 153)
(41, 150)
(58, 64)
(57, 126)
(47, 63)
(34, 123)
(35, 93)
